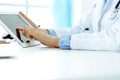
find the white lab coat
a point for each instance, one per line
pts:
(103, 33)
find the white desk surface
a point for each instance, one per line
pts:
(42, 63)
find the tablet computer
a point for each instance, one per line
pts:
(10, 21)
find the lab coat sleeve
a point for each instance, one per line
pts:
(104, 40)
(80, 28)
(60, 32)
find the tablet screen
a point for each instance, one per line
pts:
(12, 21)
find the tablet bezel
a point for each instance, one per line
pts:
(32, 42)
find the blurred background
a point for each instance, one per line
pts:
(48, 13)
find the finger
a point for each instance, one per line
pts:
(22, 30)
(19, 28)
(27, 31)
(28, 35)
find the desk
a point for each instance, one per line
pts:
(42, 63)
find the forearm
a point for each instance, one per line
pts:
(46, 39)
(49, 41)
(55, 42)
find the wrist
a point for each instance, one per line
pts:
(55, 41)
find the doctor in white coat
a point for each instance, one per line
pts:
(98, 29)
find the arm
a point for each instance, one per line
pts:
(40, 35)
(105, 40)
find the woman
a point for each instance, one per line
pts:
(99, 29)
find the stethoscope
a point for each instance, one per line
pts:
(115, 11)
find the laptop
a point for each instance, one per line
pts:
(10, 22)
